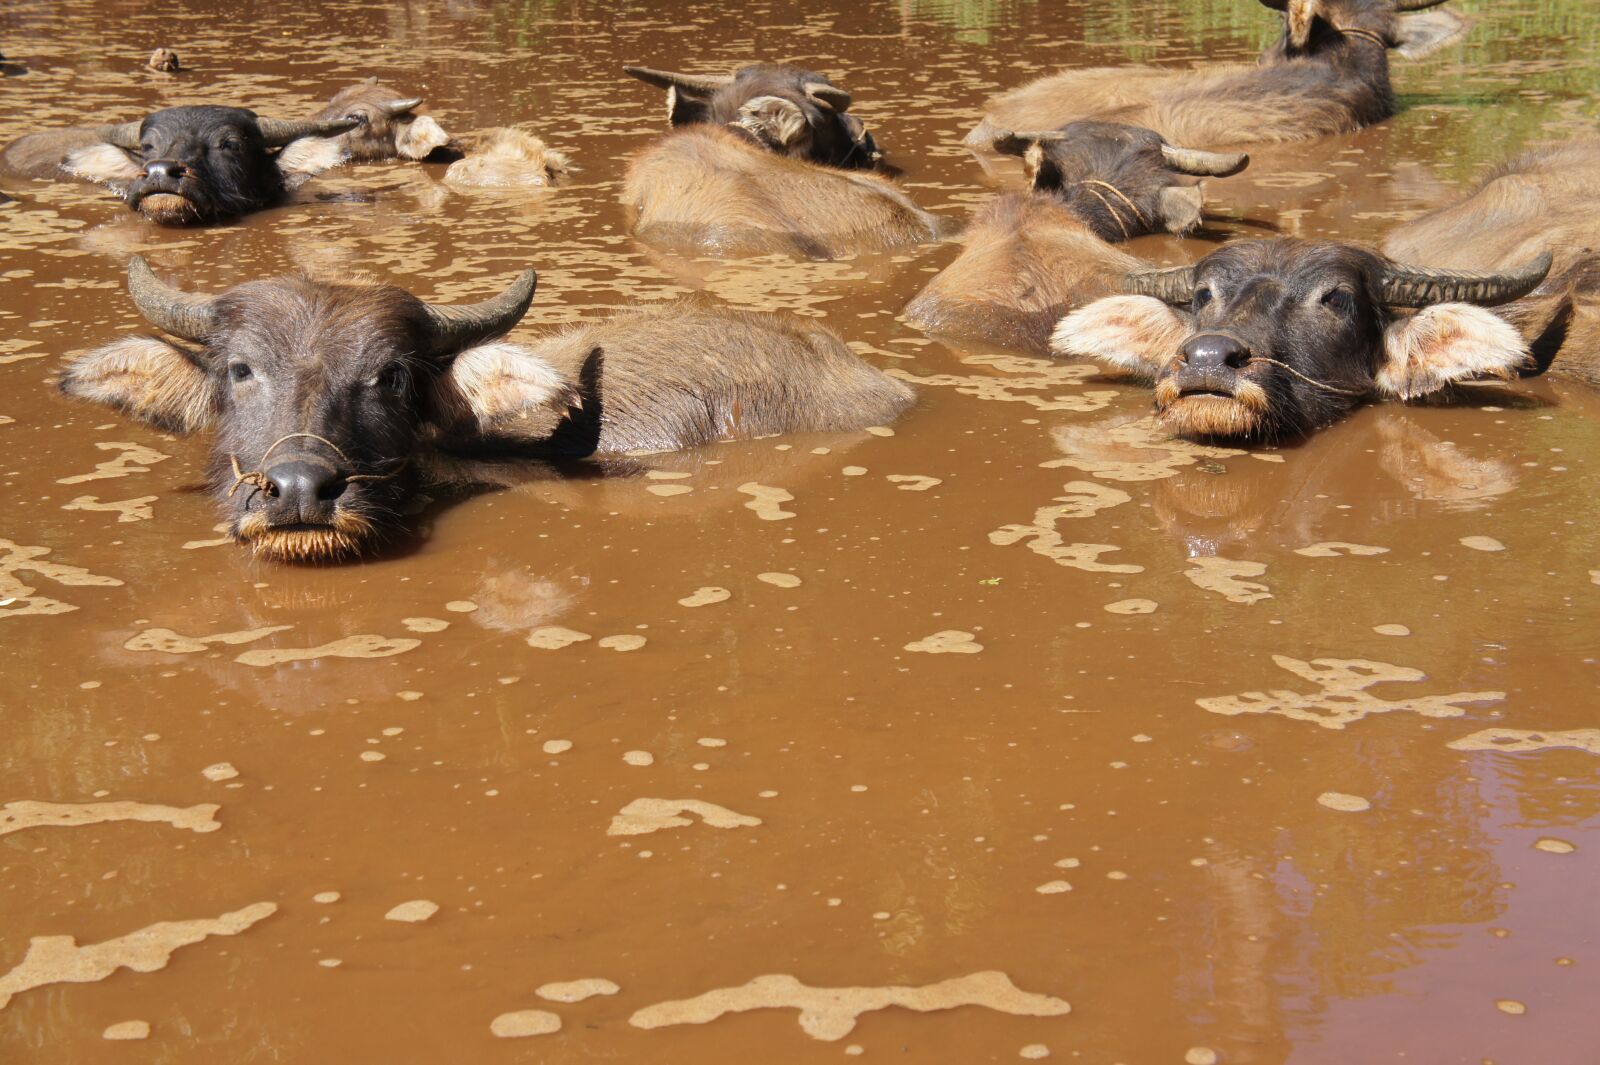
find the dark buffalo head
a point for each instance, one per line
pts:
(320, 395)
(1124, 181)
(387, 124)
(1321, 27)
(195, 165)
(1270, 339)
(788, 110)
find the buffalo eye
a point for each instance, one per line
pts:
(392, 378)
(361, 117)
(1202, 296)
(239, 371)
(232, 144)
(146, 148)
(1339, 301)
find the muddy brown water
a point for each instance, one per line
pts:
(1198, 741)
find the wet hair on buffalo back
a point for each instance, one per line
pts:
(1271, 339)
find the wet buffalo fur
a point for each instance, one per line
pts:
(1312, 305)
(705, 189)
(383, 131)
(770, 104)
(509, 159)
(1304, 87)
(291, 356)
(1547, 199)
(1031, 257)
(195, 165)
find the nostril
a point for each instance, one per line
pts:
(1213, 351)
(299, 482)
(332, 488)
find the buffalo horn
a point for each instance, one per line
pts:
(462, 325)
(278, 131)
(696, 83)
(1204, 164)
(400, 107)
(123, 135)
(1405, 286)
(831, 95)
(180, 313)
(1174, 285)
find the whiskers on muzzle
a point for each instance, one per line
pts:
(349, 534)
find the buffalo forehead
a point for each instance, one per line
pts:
(346, 329)
(202, 118)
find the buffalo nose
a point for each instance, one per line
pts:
(1212, 351)
(165, 169)
(301, 483)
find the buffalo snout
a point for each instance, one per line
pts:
(303, 490)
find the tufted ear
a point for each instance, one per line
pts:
(1135, 334)
(305, 158)
(774, 121)
(1446, 343)
(418, 137)
(1179, 206)
(148, 379)
(497, 388)
(103, 164)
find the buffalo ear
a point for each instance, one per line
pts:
(1179, 206)
(1135, 334)
(774, 120)
(1420, 35)
(149, 379)
(685, 108)
(103, 164)
(417, 138)
(305, 158)
(1446, 343)
(503, 389)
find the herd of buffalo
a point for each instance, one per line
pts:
(330, 401)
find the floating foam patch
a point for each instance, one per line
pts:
(1342, 696)
(25, 814)
(644, 816)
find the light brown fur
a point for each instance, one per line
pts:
(509, 159)
(708, 189)
(1028, 260)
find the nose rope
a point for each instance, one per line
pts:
(1090, 183)
(258, 479)
(1308, 380)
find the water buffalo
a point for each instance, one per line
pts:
(707, 190)
(188, 165)
(1327, 74)
(787, 110)
(1281, 337)
(387, 124)
(329, 399)
(164, 61)
(509, 159)
(1030, 257)
(1546, 198)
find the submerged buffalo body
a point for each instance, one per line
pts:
(788, 110)
(704, 188)
(386, 124)
(1327, 74)
(1271, 339)
(328, 400)
(1031, 257)
(188, 165)
(1546, 198)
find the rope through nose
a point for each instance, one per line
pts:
(261, 483)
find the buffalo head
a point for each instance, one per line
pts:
(1124, 181)
(1268, 339)
(194, 165)
(387, 124)
(1314, 27)
(784, 109)
(320, 395)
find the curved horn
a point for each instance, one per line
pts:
(1017, 142)
(1204, 164)
(662, 79)
(1416, 5)
(279, 131)
(400, 107)
(1405, 286)
(1174, 285)
(183, 314)
(123, 135)
(831, 95)
(464, 324)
